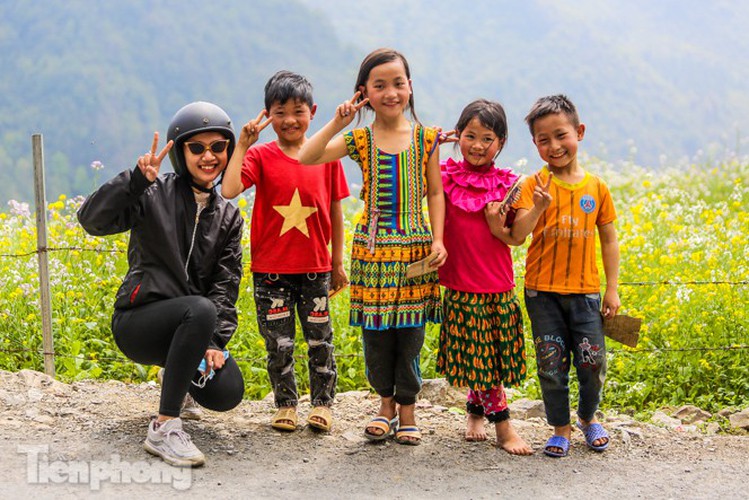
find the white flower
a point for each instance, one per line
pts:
(19, 208)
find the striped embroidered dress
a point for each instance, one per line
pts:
(390, 234)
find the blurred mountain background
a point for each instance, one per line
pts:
(657, 83)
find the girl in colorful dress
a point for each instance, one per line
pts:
(481, 339)
(400, 165)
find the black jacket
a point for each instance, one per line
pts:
(161, 218)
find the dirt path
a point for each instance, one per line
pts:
(72, 441)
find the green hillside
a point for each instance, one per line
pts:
(649, 78)
(97, 78)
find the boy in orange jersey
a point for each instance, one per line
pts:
(562, 286)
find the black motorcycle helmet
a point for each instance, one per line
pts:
(192, 119)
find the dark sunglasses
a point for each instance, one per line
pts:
(216, 147)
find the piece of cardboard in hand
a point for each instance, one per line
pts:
(512, 195)
(624, 329)
(422, 266)
(332, 293)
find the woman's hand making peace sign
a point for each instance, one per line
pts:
(150, 163)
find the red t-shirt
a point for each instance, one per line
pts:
(291, 225)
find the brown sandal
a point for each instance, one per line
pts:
(324, 418)
(285, 419)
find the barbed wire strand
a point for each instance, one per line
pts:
(301, 357)
(81, 357)
(631, 283)
(22, 349)
(621, 283)
(61, 249)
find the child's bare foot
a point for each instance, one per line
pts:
(475, 430)
(510, 441)
(387, 410)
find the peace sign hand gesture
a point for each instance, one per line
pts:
(445, 137)
(251, 130)
(345, 112)
(541, 196)
(150, 162)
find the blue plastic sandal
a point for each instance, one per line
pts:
(560, 442)
(592, 433)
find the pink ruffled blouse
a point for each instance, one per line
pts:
(477, 261)
(471, 188)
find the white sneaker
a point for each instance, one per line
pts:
(168, 441)
(190, 410)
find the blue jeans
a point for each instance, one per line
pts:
(567, 326)
(279, 298)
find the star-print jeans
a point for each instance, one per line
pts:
(567, 326)
(279, 298)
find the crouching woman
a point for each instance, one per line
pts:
(176, 305)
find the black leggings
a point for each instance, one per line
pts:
(174, 333)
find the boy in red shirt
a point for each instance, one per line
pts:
(297, 212)
(562, 286)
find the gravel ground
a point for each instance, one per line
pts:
(85, 439)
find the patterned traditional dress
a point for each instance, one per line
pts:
(391, 234)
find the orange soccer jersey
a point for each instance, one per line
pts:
(562, 255)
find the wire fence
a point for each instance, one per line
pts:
(621, 283)
(260, 361)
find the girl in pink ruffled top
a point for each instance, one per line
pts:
(481, 338)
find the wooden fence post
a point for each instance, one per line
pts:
(41, 251)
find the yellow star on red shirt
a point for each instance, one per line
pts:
(295, 214)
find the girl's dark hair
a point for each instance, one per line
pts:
(377, 58)
(490, 114)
